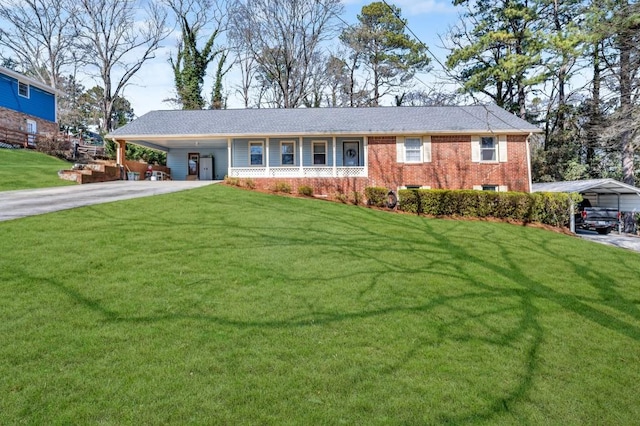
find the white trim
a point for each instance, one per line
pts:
(477, 187)
(528, 148)
(264, 154)
(503, 188)
(426, 149)
(327, 133)
(502, 148)
(301, 154)
(326, 153)
(229, 154)
(400, 149)
(288, 142)
(420, 150)
(475, 150)
(335, 166)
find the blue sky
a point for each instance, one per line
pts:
(427, 19)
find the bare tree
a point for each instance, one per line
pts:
(39, 35)
(117, 43)
(284, 37)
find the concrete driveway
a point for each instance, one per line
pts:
(30, 202)
(627, 241)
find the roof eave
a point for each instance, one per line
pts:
(326, 133)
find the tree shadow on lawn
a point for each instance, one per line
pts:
(505, 278)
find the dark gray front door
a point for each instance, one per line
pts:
(351, 153)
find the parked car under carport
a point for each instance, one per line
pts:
(606, 193)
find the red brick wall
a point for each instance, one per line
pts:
(15, 120)
(451, 166)
(329, 187)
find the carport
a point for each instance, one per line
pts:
(608, 193)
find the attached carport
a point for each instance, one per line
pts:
(608, 193)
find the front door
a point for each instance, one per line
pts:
(351, 153)
(194, 161)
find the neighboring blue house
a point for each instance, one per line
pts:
(27, 108)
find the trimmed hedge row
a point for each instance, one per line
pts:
(543, 207)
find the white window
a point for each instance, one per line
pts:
(23, 89)
(319, 153)
(413, 150)
(488, 149)
(498, 188)
(256, 153)
(287, 153)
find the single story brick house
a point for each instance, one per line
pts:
(343, 149)
(27, 108)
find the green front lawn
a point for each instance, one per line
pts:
(223, 306)
(26, 169)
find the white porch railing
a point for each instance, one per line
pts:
(297, 172)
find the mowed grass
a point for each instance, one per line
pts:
(223, 306)
(26, 169)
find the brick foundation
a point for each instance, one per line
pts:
(15, 120)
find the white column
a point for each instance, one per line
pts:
(266, 153)
(335, 167)
(229, 165)
(301, 158)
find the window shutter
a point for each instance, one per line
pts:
(400, 149)
(503, 188)
(502, 148)
(475, 149)
(477, 187)
(426, 148)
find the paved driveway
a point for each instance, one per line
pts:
(630, 242)
(29, 202)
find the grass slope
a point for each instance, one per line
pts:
(26, 169)
(220, 306)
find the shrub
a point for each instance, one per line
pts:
(357, 198)
(282, 187)
(376, 196)
(231, 181)
(548, 208)
(339, 196)
(250, 183)
(305, 190)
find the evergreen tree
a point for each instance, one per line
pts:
(380, 43)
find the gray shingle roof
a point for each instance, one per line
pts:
(381, 120)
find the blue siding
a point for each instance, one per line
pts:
(308, 152)
(240, 151)
(177, 161)
(39, 104)
(275, 159)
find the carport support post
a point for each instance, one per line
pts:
(121, 156)
(572, 217)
